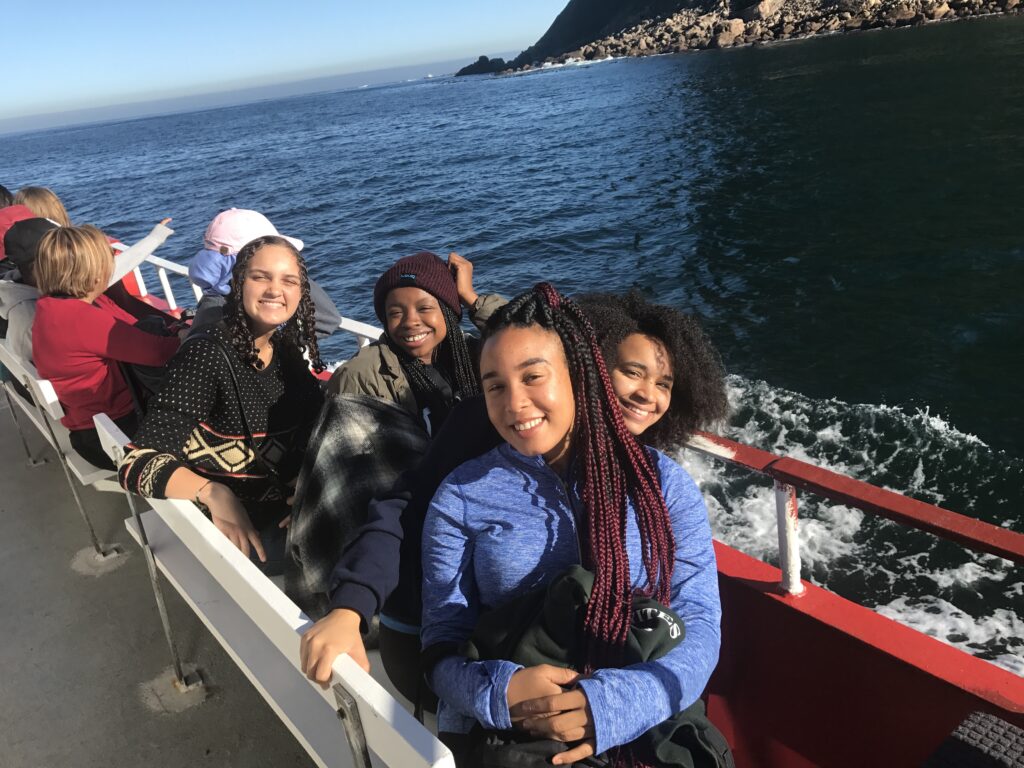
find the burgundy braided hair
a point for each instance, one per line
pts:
(300, 329)
(610, 466)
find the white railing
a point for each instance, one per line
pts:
(363, 332)
(261, 628)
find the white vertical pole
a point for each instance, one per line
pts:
(143, 291)
(789, 544)
(168, 293)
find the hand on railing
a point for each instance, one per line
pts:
(335, 634)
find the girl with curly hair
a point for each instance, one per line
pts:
(229, 426)
(667, 375)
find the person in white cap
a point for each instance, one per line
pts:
(210, 268)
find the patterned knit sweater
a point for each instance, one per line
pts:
(195, 421)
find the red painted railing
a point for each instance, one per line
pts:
(971, 533)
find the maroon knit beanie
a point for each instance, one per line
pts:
(423, 270)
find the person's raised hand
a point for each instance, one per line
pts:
(166, 221)
(462, 269)
(335, 634)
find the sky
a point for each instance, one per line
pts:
(70, 55)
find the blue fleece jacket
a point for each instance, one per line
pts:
(211, 271)
(504, 524)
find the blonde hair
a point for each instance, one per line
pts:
(73, 261)
(44, 203)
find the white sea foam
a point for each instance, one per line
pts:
(978, 635)
(867, 559)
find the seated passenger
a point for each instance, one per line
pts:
(569, 486)
(661, 365)
(79, 336)
(212, 266)
(386, 403)
(6, 197)
(44, 203)
(9, 216)
(18, 290)
(228, 428)
(421, 361)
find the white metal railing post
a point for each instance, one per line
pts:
(143, 291)
(166, 284)
(101, 551)
(182, 681)
(32, 461)
(789, 543)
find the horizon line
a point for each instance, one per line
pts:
(216, 98)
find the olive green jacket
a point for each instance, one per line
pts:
(376, 371)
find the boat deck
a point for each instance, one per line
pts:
(86, 670)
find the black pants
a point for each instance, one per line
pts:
(87, 442)
(400, 653)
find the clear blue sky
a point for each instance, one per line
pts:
(73, 54)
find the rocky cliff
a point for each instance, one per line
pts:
(597, 29)
(579, 23)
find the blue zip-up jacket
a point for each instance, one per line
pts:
(503, 524)
(211, 271)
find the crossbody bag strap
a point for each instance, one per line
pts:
(250, 439)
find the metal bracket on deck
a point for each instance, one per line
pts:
(190, 680)
(348, 713)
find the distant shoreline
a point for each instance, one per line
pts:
(767, 21)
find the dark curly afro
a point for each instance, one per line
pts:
(698, 389)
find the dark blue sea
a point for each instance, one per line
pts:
(845, 214)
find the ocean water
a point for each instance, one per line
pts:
(845, 214)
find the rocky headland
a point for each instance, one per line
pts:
(594, 29)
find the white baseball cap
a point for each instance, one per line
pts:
(233, 228)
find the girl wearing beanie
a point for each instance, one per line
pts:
(386, 404)
(422, 361)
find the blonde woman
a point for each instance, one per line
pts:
(79, 335)
(44, 203)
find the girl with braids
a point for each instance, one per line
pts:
(570, 485)
(422, 361)
(228, 428)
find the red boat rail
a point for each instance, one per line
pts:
(790, 474)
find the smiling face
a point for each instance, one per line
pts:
(528, 390)
(272, 288)
(642, 380)
(414, 322)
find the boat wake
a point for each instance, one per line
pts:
(967, 599)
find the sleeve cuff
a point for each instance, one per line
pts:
(358, 598)
(501, 675)
(604, 738)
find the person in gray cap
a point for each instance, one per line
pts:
(18, 292)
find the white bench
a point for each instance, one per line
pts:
(260, 628)
(45, 413)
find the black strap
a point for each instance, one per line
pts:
(250, 440)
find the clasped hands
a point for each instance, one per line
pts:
(545, 702)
